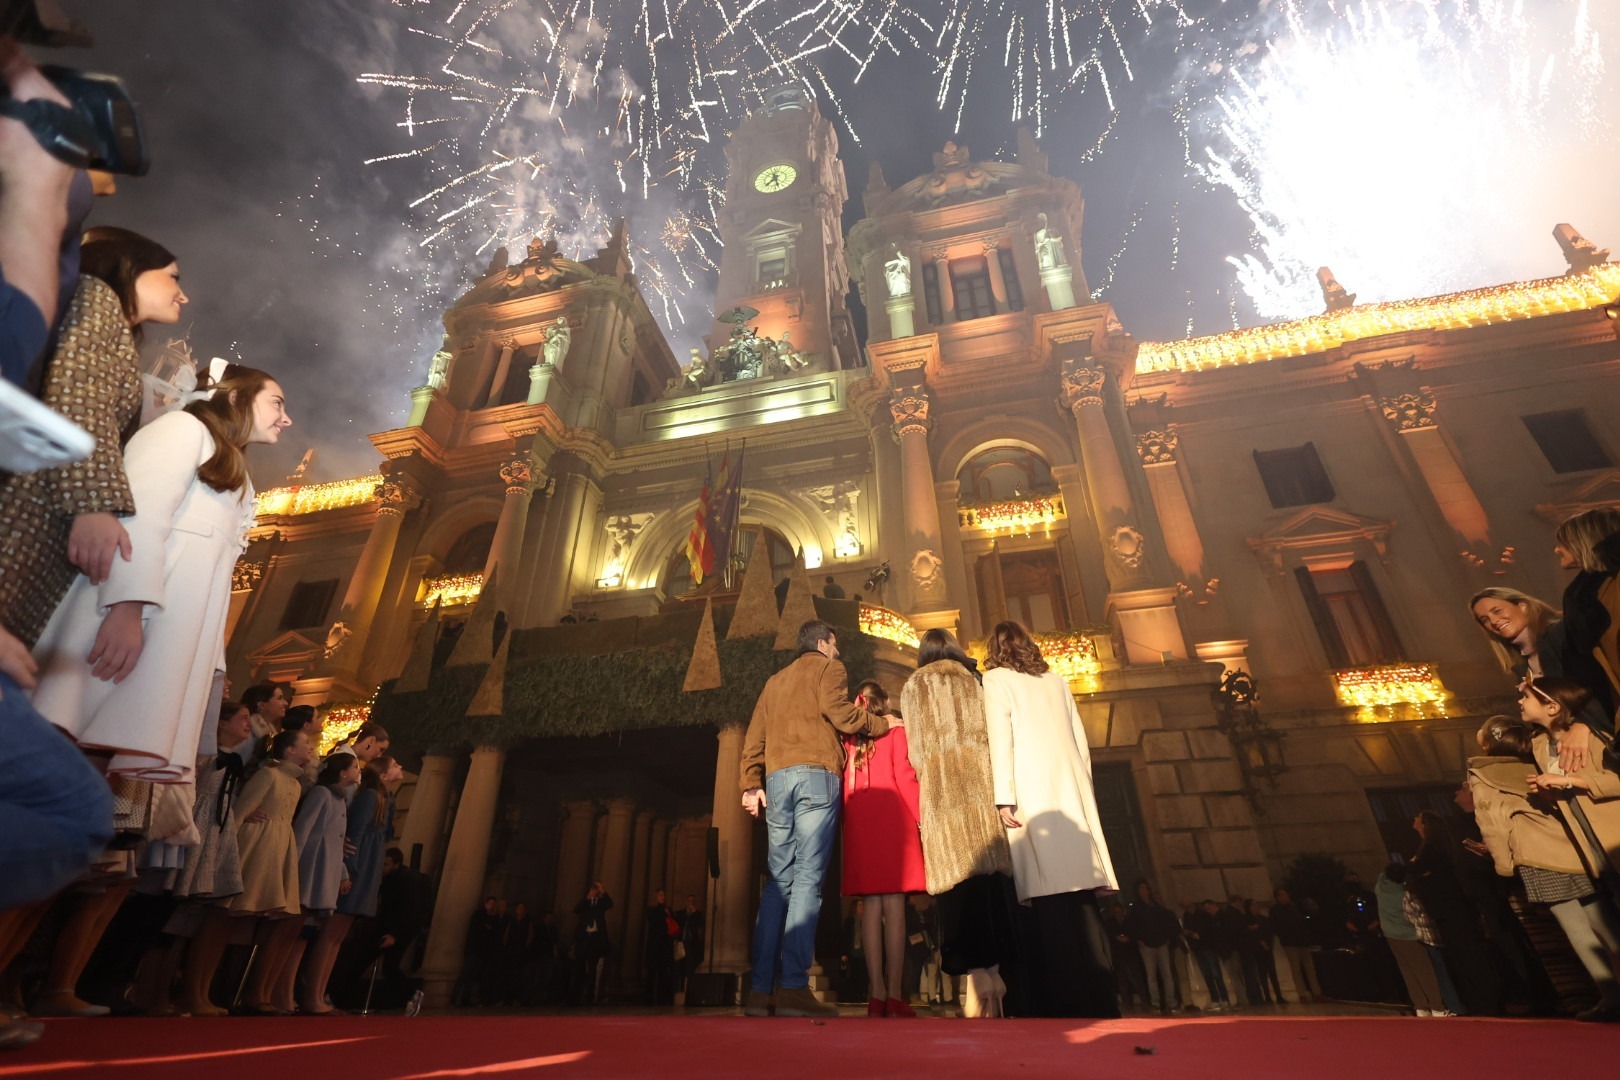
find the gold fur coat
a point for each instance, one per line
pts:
(950, 748)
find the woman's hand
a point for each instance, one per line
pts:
(1476, 847)
(1549, 782)
(1009, 817)
(16, 661)
(343, 889)
(118, 643)
(1572, 748)
(93, 540)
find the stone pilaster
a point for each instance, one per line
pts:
(462, 884)
(733, 921)
(346, 640)
(909, 406)
(621, 816)
(637, 897)
(519, 478)
(574, 862)
(1411, 416)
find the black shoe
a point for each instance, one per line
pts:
(1604, 1012)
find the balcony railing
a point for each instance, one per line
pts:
(451, 589)
(880, 622)
(1385, 691)
(1023, 515)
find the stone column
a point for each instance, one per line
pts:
(637, 898)
(519, 477)
(573, 862)
(462, 884)
(430, 802)
(502, 367)
(658, 862)
(998, 281)
(395, 498)
(923, 566)
(570, 530)
(900, 308)
(621, 817)
(1412, 417)
(1124, 548)
(733, 920)
(421, 398)
(540, 376)
(1059, 283)
(947, 292)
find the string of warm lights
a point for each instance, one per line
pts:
(310, 498)
(1389, 684)
(880, 622)
(1071, 654)
(1319, 333)
(451, 589)
(1014, 515)
(340, 722)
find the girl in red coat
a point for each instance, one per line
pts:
(883, 857)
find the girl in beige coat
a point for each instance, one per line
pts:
(270, 864)
(1523, 838)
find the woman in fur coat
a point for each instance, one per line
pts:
(965, 856)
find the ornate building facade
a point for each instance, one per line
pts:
(1310, 504)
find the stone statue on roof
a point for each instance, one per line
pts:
(897, 271)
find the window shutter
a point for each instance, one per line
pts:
(1326, 629)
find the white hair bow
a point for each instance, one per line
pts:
(161, 397)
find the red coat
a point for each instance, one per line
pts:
(882, 847)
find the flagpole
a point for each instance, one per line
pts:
(736, 514)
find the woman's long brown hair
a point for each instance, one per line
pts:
(228, 416)
(1010, 646)
(371, 779)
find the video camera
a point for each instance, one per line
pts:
(100, 128)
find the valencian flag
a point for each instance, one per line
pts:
(699, 551)
(727, 506)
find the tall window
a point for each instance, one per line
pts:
(308, 605)
(773, 271)
(1354, 626)
(1004, 472)
(936, 311)
(471, 550)
(970, 281)
(1566, 441)
(1294, 477)
(1009, 274)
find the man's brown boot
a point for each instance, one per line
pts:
(758, 1003)
(802, 1002)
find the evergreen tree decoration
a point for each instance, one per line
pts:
(490, 700)
(414, 676)
(703, 673)
(798, 609)
(477, 639)
(756, 606)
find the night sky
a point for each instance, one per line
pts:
(302, 260)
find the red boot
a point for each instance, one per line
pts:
(896, 1007)
(874, 1008)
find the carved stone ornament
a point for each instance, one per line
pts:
(928, 571)
(909, 406)
(1128, 546)
(396, 497)
(518, 476)
(246, 576)
(1409, 412)
(336, 638)
(1157, 447)
(1082, 385)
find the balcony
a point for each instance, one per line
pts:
(450, 590)
(1022, 515)
(311, 498)
(1392, 692)
(880, 622)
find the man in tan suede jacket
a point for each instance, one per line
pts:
(792, 762)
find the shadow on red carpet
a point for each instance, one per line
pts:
(1242, 1048)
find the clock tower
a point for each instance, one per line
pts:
(783, 231)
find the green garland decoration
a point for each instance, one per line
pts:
(572, 694)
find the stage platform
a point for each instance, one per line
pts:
(607, 1047)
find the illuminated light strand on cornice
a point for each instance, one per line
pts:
(1319, 333)
(880, 622)
(1389, 684)
(340, 722)
(1015, 515)
(451, 589)
(310, 498)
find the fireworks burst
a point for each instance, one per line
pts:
(1415, 146)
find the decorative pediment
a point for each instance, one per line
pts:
(289, 649)
(1590, 493)
(771, 227)
(1320, 530)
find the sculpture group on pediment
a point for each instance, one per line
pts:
(745, 355)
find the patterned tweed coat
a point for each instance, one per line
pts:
(94, 380)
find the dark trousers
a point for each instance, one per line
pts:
(1209, 963)
(1074, 976)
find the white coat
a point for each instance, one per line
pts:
(185, 538)
(1040, 763)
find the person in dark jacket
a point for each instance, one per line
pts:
(658, 950)
(692, 936)
(1432, 877)
(476, 984)
(1293, 933)
(402, 914)
(1155, 929)
(1208, 940)
(1589, 542)
(1255, 947)
(591, 945)
(1130, 976)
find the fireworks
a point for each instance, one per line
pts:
(1415, 146)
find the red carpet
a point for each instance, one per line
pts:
(1244, 1048)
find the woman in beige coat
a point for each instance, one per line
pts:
(270, 864)
(965, 857)
(1041, 767)
(1524, 839)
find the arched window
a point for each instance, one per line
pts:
(1004, 472)
(471, 551)
(678, 575)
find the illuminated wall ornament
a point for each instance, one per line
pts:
(1319, 333)
(450, 589)
(1015, 515)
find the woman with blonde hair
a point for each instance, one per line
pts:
(1589, 543)
(966, 861)
(131, 667)
(1041, 765)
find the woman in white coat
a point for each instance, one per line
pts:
(128, 667)
(1040, 767)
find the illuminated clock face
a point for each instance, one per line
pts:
(775, 178)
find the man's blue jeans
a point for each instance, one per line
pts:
(801, 818)
(55, 808)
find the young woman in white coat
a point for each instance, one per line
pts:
(128, 667)
(1040, 766)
